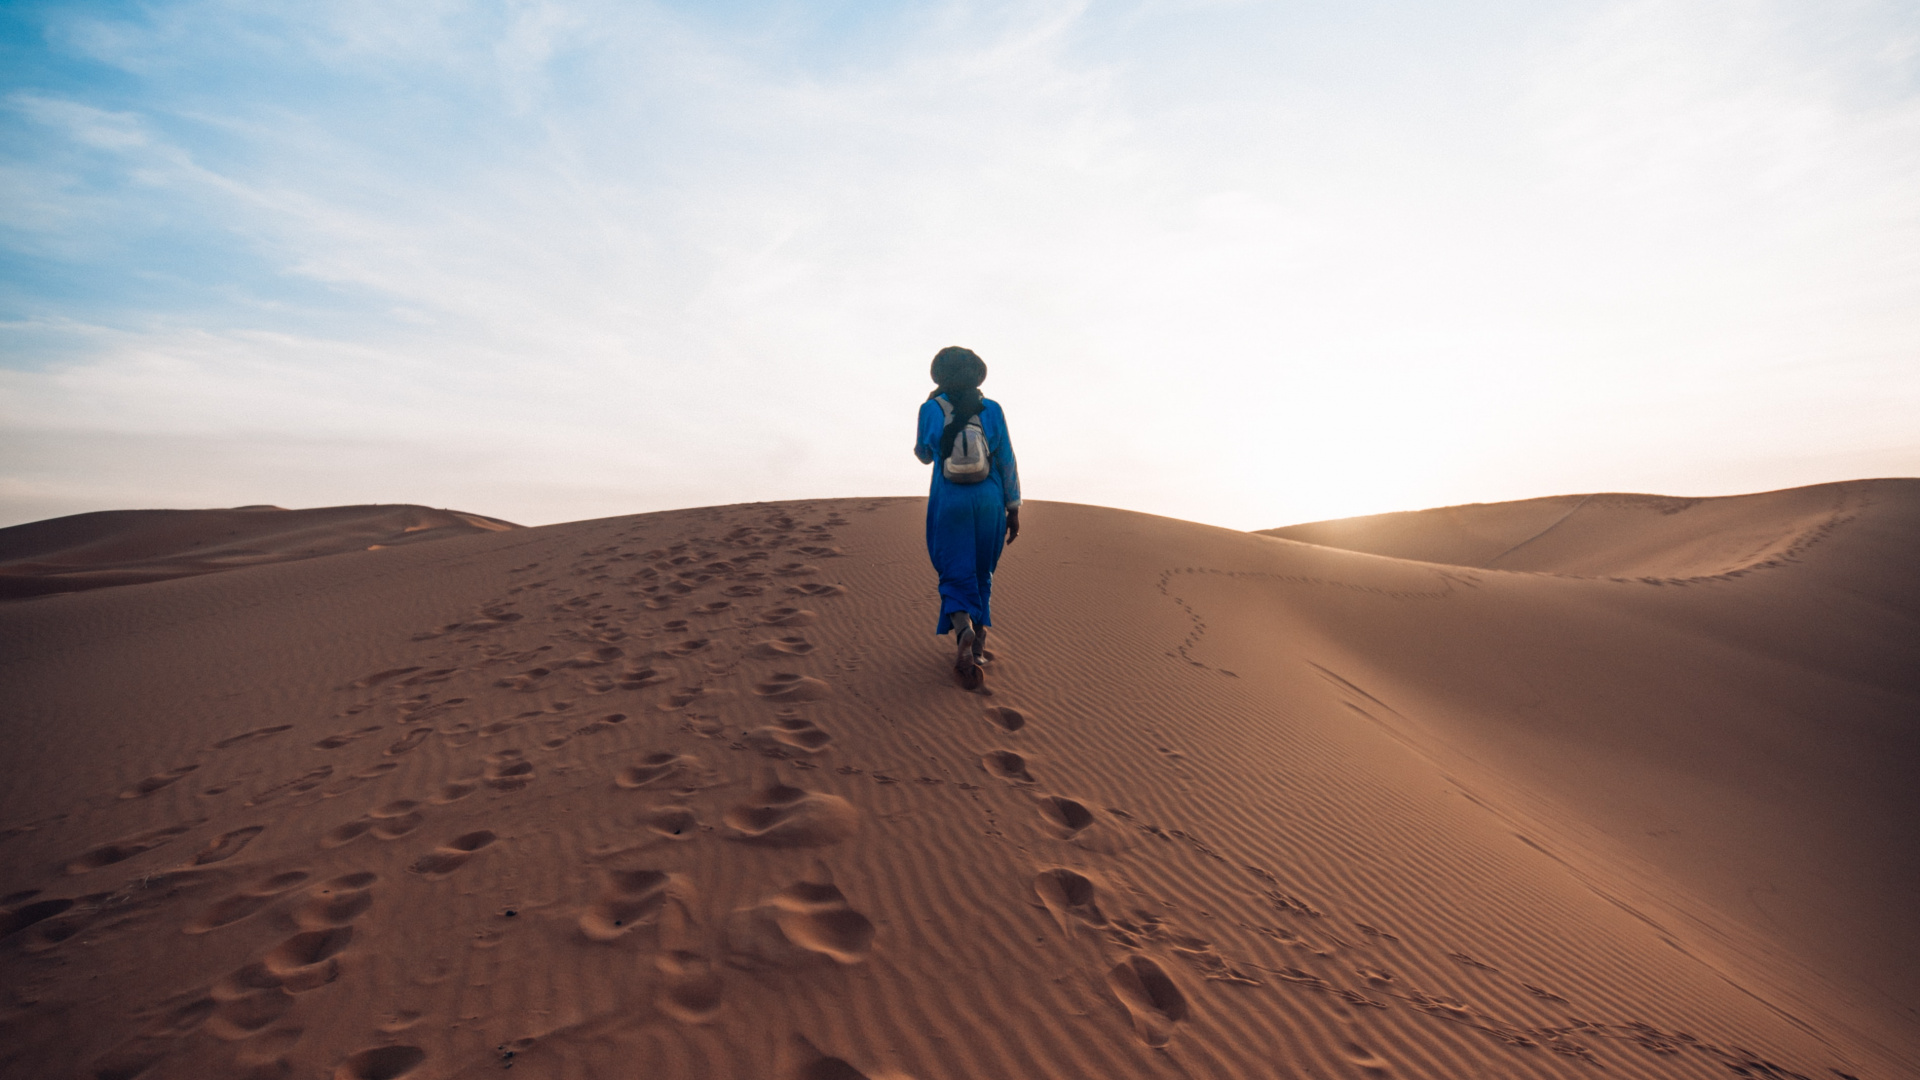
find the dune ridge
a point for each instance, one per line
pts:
(1606, 534)
(693, 792)
(128, 547)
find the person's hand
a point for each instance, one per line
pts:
(1013, 524)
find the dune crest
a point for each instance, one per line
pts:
(696, 793)
(127, 547)
(1602, 535)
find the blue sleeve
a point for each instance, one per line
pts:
(926, 445)
(1005, 468)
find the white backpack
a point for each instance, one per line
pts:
(968, 463)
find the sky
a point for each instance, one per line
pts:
(1247, 264)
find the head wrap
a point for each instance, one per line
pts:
(959, 372)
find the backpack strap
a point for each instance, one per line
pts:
(956, 419)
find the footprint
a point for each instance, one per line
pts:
(793, 645)
(802, 924)
(400, 1020)
(714, 608)
(674, 626)
(249, 1000)
(509, 770)
(526, 681)
(817, 589)
(299, 785)
(342, 835)
(628, 898)
(340, 739)
(381, 1063)
(157, 781)
(408, 742)
(692, 991)
(652, 769)
(1366, 1059)
(1068, 817)
(787, 737)
(1006, 765)
(337, 902)
(227, 845)
(44, 934)
(604, 722)
(780, 815)
(786, 616)
(600, 657)
(455, 791)
(141, 1052)
(379, 677)
(814, 1064)
(787, 686)
(1216, 968)
(1008, 720)
(122, 850)
(814, 914)
(687, 648)
(232, 909)
(18, 919)
(453, 854)
(639, 678)
(1150, 996)
(249, 736)
(309, 959)
(371, 772)
(1069, 895)
(673, 822)
(399, 825)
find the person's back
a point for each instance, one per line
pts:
(973, 508)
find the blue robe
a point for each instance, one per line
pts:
(967, 523)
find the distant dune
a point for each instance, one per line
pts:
(126, 547)
(1595, 786)
(1603, 535)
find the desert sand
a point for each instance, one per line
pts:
(126, 547)
(1593, 786)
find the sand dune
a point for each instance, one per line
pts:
(127, 547)
(1601, 535)
(692, 795)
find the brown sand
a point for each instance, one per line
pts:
(692, 795)
(127, 547)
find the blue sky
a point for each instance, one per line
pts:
(1242, 263)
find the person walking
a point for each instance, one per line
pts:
(973, 508)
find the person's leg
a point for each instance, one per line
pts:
(951, 543)
(965, 640)
(989, 540)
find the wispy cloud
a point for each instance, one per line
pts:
(1235, 262)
